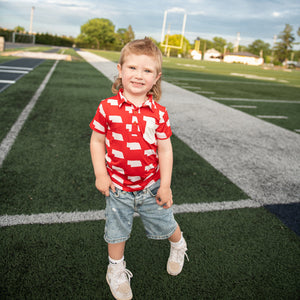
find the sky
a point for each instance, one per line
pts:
(253, 19)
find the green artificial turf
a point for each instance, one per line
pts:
(49, 167)
(236, 254)
(239, 254)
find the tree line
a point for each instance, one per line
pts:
(100, 33)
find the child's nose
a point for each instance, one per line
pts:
(139, 74)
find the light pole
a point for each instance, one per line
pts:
(31, 19)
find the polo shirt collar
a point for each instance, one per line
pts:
(148, 103)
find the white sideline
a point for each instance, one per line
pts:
(10, 138)
(96, 215)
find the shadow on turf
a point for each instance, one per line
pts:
(289, 214)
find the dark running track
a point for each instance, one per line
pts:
(13, 70)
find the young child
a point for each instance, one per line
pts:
(132, 159)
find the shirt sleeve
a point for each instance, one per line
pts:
(99, 123)
(164, 129)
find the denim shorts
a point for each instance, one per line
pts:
(159, 223)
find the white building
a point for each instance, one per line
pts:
(244, 58)
(212, 55)
(197, 55)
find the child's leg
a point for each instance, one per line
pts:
(116, 251)
(177, 252)
(176, 236)
(117, 276)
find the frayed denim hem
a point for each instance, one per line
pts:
(162, 237)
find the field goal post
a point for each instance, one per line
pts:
(26, 38)
(167, 46)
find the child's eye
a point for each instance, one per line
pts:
(132, 68)
(148, 71)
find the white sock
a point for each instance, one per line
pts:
(115, 261)
(179, 243)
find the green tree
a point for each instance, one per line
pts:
(257, 46)
(284, 48)
(99, 33)
(175, 40)
(219, 44)
(19, 29)
(204, 45)
(123, 36)
(230, 47)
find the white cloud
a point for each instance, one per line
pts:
(276, 14)
(176, 10)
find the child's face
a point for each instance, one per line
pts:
(139, 74)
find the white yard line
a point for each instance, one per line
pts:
(181, 79)
(272, 117)
(256, 100)
(10, 138)
(16, 68)
(243, 106)
(97, 215)
(8, 81)
(13, 71)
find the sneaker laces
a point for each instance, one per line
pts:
(122, 275)
(177, 253)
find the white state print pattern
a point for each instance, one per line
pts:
(134, 178)
(149, 167)
(149, 152)
(161, 117)
(134, 146)
(161, 135)
(115, 119)
(98, 126)
(129, 127)
(102, 112)
(117, 153)
(149, 184)
(135, 186)
(117, 136)
(129, 109)
(118, 169)
(134, 163)
(119, 179)
(112, 102)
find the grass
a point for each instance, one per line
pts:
(237, 254)
(30, 49)
(241, 254)
(70, 51)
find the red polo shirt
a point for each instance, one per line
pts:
(131, 140)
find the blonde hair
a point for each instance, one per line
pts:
(146, 47)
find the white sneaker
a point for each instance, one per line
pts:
(176, 259)
(118, 279)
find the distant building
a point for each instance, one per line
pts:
(212, 55)
(244, 58)
(197, 55)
